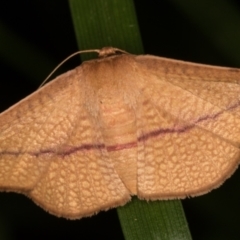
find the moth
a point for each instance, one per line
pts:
(118, 126)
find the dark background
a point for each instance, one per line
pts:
(46, 26)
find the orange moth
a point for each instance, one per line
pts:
(118, 126)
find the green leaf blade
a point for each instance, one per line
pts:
(114, 23)
(154, 220)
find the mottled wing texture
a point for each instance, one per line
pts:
(52, 151)
(119, 126)
(188, 127)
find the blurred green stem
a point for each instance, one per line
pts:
(102, 23)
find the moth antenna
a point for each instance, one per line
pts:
(66, 59)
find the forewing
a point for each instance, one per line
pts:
(217, 85)
(52, 151)
(31, 128)
(187, 138)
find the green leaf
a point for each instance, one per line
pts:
(106, 23)
(114, 23)
(154, 220)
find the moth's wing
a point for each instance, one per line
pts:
(51, 149)
(188, 136)
(217, 85)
